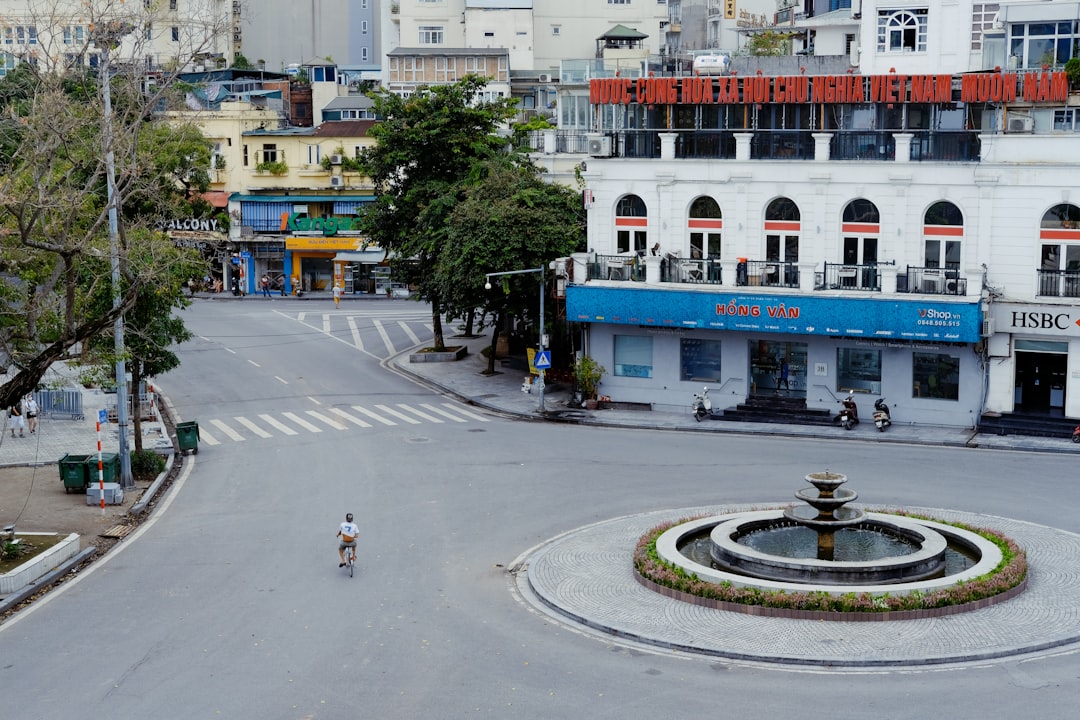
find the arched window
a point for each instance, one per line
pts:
(782, 227)
(704, 225)
(631, 221)
(943, 230)
(901, 30)
(1059, 232)
(861, 229)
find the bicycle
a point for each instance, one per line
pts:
(350, 559)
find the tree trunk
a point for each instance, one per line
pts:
(494, 341)
(436, 326)
(136, 412)
(469, 323)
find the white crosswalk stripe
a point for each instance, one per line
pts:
(276, 424)
(267, 426)
(324, 419)
(357, 340)
(400, 416)
(408, 331)
(229, 432)
(302, 422)
(430, 418)
(385, 336)
(252, 427)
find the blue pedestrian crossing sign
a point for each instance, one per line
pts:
(542, 360)
(102, 416)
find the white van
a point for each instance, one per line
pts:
(711, 64)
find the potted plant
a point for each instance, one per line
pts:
(587, 373)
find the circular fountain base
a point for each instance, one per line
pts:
(925, 557)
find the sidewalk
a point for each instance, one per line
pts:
(502, 393)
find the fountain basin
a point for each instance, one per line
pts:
(925, 561)
(988, 554)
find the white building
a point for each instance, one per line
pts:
(789, 237)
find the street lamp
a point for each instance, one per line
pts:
(539, 385)
(108, 37)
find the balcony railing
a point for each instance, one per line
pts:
(934, 146)
(1059, 283)
(617, 267)
(932, 281)
(706, 144)
(849, 145)
(767, 273)
(837, 276)
(782, 145)
(691, 270)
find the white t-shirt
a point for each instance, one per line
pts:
(350, 529)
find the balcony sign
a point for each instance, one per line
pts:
(884, 319)
(1032, 87)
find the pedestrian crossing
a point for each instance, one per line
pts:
(240, 428)
(379, 336)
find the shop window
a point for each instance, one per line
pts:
(935, 376)
(699, 360)
(633, 356)
(858, 370)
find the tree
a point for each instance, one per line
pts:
(55, 252)
(769, 43)
(428, 145)
(508, 219)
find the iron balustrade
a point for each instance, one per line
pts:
(616, 267)
(767, 273)
(856, 145)
(706, 144)
(951, 146)
(638, 144)
(693, 271)
(932, 281)
(838, 276)
(782, 145)
(1059, 283)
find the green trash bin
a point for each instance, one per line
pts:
(187, 435)
(74, 472)
(110, 468)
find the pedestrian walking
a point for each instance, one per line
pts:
(30, 412)
(18, 422)
(265, 285)
(337, 294)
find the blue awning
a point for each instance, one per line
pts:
(300, 199)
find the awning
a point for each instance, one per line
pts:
(217, 198)
(364, 257)
(300, 199)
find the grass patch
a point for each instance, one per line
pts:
(31, 546)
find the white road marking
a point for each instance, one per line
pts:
(326, 323)
(277, 425)
(329, 421)
(205, 437)
(424, 415)
(231, 350)
(314, 400)
(300, 316)
(385, 338)
(442, 412)
(252, 427)
(281, 380)
(351, 418)
(466, 413)
(399, 416)
(355, 333)
(229, 432)
(373, 416)
(254, 363)
(302, 422)
(409, 332)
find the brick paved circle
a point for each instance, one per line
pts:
(586, 576)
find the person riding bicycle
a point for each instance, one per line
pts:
(348, 532)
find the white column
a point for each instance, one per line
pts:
(667, 145)
(652, 269)
(903, 146)
(822, 147)
(742, 146)
(549, 141)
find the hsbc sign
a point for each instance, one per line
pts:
(1056, 320)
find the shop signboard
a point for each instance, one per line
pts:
(915, 319)
(1061, 321)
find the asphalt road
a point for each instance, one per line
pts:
(229, 603)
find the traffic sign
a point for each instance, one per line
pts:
(542, 360)
(102, 416)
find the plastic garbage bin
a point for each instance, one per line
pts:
(187, 435)
(73, 472)
(110, 468)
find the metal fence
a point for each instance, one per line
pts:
(67, 403)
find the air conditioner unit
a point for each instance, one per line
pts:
(1021, 123)
(599, 145)
(987, 328)
(337, 181)
(335, 159)
(544, 78)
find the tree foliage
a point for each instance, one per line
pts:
(426, 155)
(56, 290)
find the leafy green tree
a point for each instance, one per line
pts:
(769, 43)
(428, 145)
(55, 252)
(508, 219)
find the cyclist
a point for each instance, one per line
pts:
(348, 532)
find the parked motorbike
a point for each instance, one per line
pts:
(1076, 434)
(849, 413)
(883, 418)
(702, 405)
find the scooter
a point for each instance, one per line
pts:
(1076, 434)
(882, 416)
(849, 413)
(702, 405)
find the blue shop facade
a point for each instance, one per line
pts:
(660, 346)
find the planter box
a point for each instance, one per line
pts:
(37, 566)
(449, 355)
